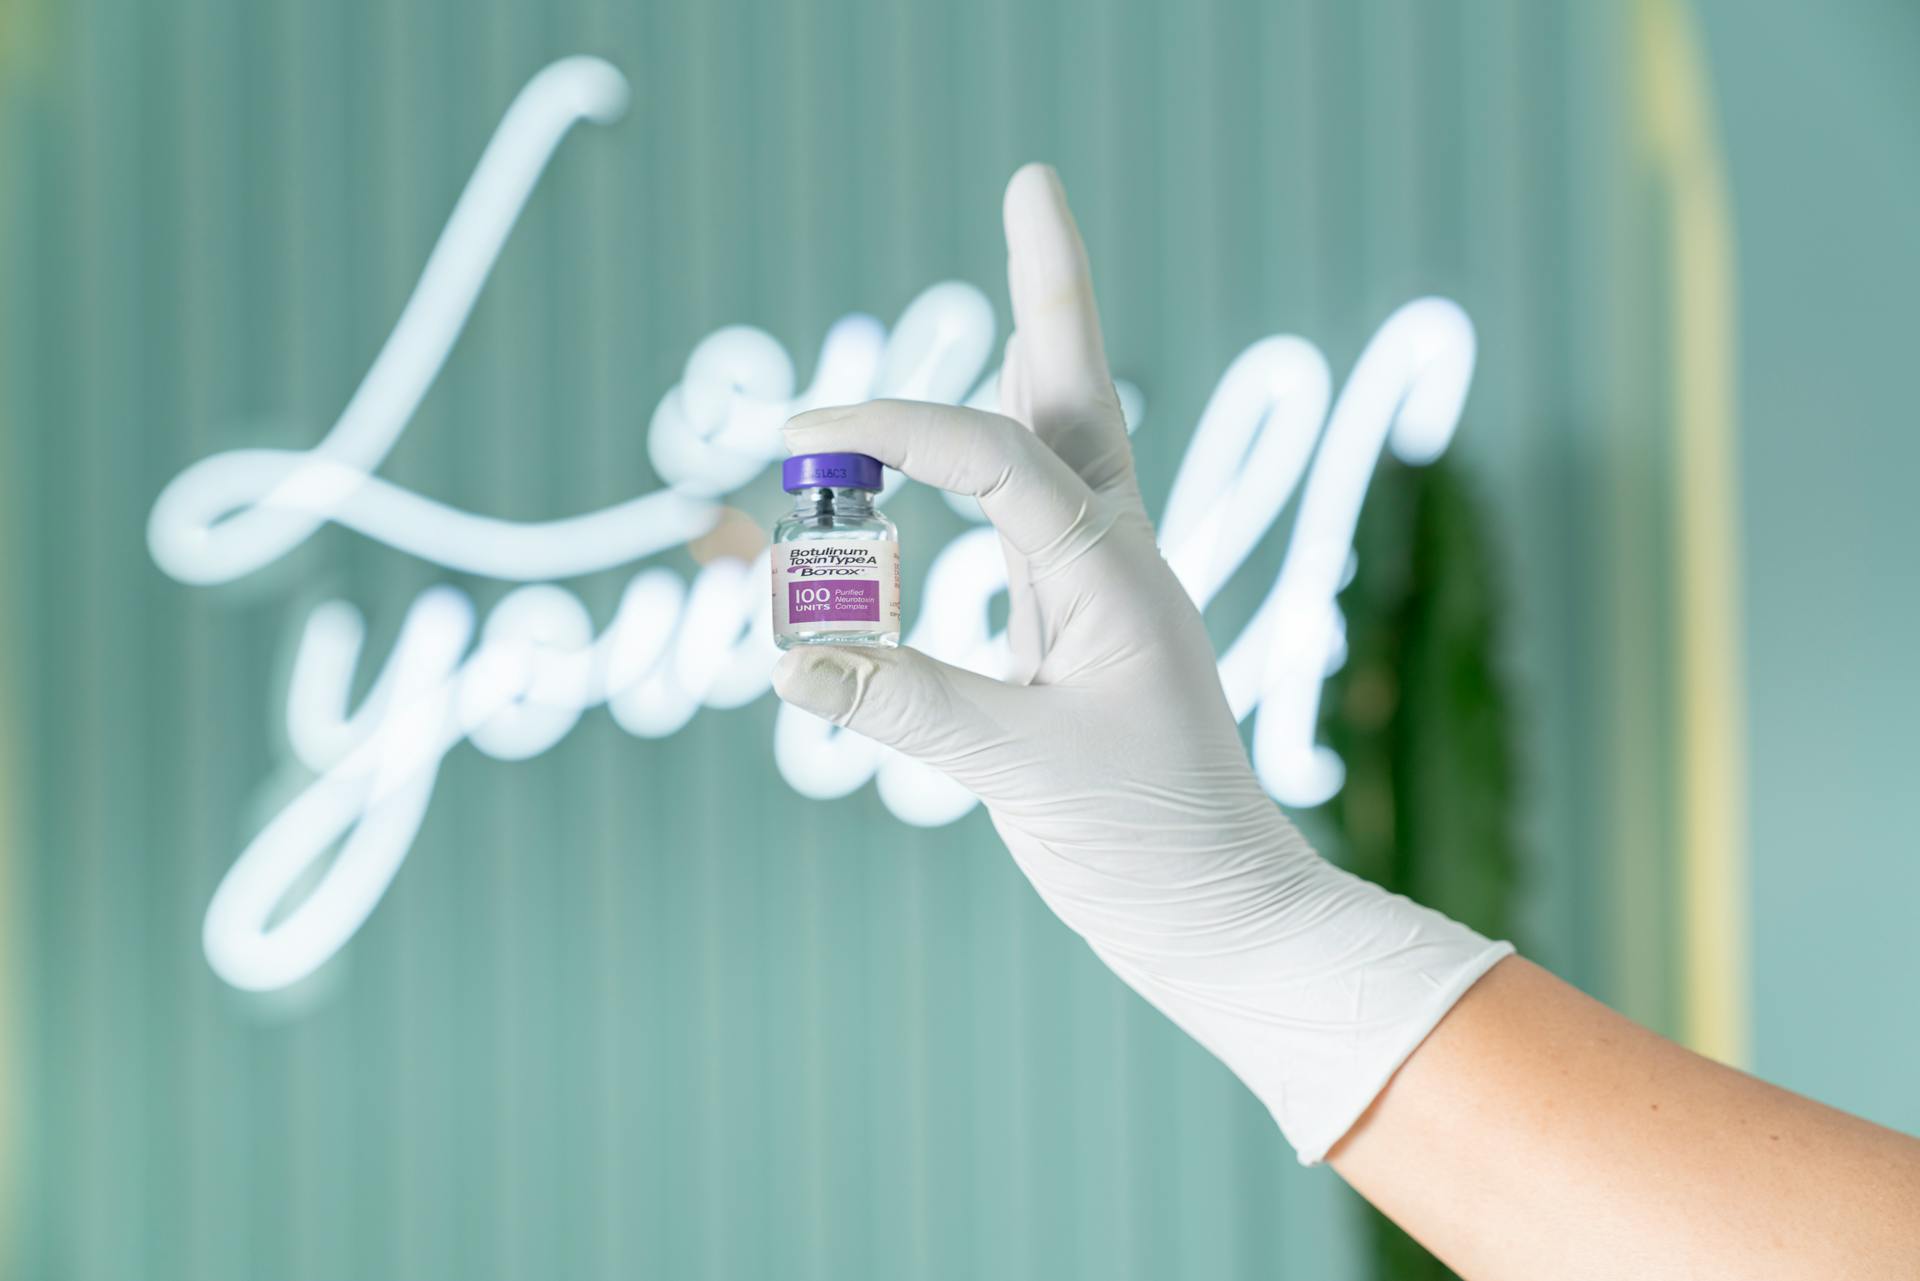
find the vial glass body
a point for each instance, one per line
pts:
(836, 571)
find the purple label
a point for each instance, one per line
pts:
(834, 600)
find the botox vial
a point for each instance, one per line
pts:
(836, 559)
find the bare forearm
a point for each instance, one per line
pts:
(1537, 1133)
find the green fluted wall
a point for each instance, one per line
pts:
(634, 1008)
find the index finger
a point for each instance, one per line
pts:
(1043, 510)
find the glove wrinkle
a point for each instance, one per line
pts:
(1112, 766)
(1090, 523)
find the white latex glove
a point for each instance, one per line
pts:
(1113, 769)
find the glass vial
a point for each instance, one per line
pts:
(836, 559)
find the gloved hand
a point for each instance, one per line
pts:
(1110, 763)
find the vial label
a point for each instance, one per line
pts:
(843, 586)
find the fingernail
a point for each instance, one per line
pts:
(821, 681)
(1043, 168)
(823, 417)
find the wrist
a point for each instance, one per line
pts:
(1312, 985)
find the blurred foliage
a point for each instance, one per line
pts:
(1424, 724)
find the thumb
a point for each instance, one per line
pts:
(924, 708)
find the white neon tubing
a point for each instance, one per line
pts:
(1409, 384)
(673, 647)
(233, 513)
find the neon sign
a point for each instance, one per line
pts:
(515, 684)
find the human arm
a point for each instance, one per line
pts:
(1538, 1133)
(1113, 770)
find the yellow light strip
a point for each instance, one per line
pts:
(22, 27)
(11, 1034)
(1678, 130)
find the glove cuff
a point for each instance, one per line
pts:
(1318, 1112)
(1316, 1003)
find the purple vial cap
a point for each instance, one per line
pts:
(838, 471)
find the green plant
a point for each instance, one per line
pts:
(1420, 716)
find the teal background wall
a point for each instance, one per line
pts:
(634, 1008)
(1818, 108)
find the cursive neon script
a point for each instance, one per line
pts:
(515, 684)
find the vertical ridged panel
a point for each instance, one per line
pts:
(634, 1008)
